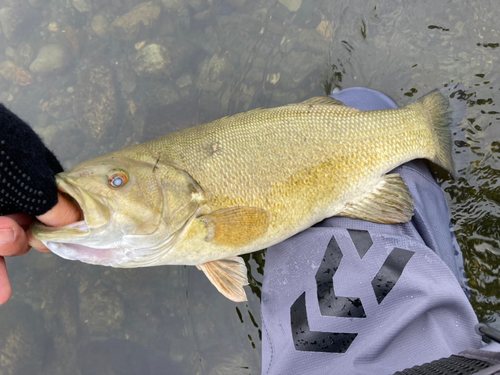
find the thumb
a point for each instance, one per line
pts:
(63, 213)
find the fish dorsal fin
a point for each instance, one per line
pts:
(228, 275)
(235, 226)
(390, 202)
(323, 100)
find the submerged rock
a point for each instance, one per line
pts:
(176, 5)
(100, 25)
(101, 309)
(95, 102)
(166, 94)
(296, 67)
(152, 61)
(126, 78)
(82, 6)
(14, 73)
(25, 54)
(59, 106)
(156, 93)
(130, 25)
(17, 22)
(50, 58)
(291, 5)
(213, 73)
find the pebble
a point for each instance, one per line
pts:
(17, 22)
(14, 73)
(53, 27)
(129, 26)
(51, 57)
(176, 5)
(82, 6)
(100, 25)
(291, 5)
(152, 61)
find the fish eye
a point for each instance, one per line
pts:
(117, 179)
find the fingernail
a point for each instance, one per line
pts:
(6, 236)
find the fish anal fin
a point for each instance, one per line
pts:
(228, 275)
(235, 226)
(388, 203)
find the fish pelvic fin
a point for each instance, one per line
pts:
(444, 109)
(228, 275)
(389, 202)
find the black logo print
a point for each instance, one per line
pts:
(329, 303)
(339, 306)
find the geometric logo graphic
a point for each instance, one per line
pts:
(339, 306)
(389, 273)
(311, 341)
(329, 303)
(361, 240)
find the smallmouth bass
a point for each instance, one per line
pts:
(206, 194)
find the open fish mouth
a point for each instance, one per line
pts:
(69, 241)
(73, 232)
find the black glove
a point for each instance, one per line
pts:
(27, 168)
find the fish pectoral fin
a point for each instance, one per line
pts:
(235, 226)
(390, 202)
(325, 100)
(228, 275)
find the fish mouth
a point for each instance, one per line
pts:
(73, 232)
(72, 195)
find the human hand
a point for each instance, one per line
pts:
(16, 238)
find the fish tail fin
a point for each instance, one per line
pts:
(444, 109)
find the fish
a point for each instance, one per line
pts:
(205, 195)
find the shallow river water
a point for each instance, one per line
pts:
(93, 76)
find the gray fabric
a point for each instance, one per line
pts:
(422, 313)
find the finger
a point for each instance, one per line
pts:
(13, 239)
(5, 287)
(23, 220)
(36, 244)
(63, 213)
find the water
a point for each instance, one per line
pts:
(187, 62)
